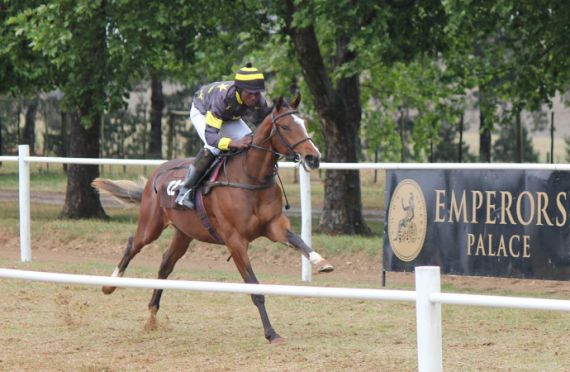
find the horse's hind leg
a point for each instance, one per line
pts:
(147, 232)
(241, 260)
(177, 249)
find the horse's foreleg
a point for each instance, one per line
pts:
(177, 249)
(241, 260)
(323, 266)
(279, 232)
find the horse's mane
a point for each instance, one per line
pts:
(266, 111)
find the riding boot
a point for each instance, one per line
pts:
(195, 171)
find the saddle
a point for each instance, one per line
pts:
(170, 187)
(172, 179)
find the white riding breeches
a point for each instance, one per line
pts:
(234, 129)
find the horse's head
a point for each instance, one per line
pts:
(289, 134)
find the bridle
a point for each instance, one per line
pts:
(275, 130)
(271, 177)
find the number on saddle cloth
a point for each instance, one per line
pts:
(169, 190)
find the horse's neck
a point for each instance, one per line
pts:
(258, 164)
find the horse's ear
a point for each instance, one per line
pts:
(295, 101)
(279, 103)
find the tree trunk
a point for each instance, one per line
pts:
(484, 142)
(552, 137)
(157, 106)
(29, 135)
(484, 132)
(64, 150)
(1, 140)
(81, 200)
(339, 110)
(519, 137)
(402, 136)
(460, 149)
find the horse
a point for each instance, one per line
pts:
(243, 204)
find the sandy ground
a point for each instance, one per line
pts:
(77, 328)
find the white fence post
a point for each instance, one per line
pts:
(306, 222)
(24, 198)
(428, 319)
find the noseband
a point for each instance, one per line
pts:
(274, 130)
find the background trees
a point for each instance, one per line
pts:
(93, 51)
(393, 78)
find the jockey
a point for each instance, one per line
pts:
(216, 115)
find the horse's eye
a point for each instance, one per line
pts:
(285, 128)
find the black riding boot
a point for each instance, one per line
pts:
(195, 171)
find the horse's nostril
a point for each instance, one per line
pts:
(312, 161)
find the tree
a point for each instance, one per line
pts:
(157, 106)
(334, 43)
(512, 51)
(29, 135)
(93, 51)
(506, 150)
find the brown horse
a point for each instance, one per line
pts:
(247, 205)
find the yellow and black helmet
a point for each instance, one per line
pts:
(249, 78)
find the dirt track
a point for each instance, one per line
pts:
(65, 327)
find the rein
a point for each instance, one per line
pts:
(290, 152)
(209, 184)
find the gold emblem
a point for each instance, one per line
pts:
(407, 220)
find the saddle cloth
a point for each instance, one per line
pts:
(172, 181)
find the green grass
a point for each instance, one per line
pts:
(46, 222)
(51, 177)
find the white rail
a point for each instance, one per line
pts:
(427, 296)
(304, 182)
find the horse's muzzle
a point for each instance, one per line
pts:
(311, 162)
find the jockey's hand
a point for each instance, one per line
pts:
(241, 144)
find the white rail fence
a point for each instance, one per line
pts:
(427, 297)
(24, 159)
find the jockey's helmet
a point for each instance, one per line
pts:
(249, 78)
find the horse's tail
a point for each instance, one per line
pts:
(123, 190)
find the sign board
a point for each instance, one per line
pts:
(504, 223)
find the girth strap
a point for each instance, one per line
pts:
(204, 217)
(208, 185)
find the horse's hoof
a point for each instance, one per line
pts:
(325, 267)
(277, 340)
(108, 290)
(151, 324)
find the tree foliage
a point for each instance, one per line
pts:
(390, 76)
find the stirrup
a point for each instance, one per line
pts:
(183, 199)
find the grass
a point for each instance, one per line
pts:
(72, 327)
(45, 222)
(50, 177)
